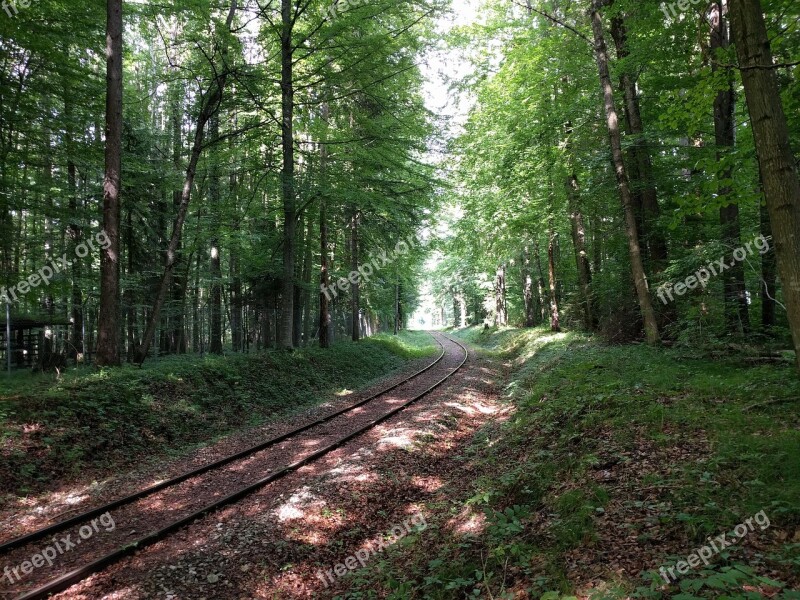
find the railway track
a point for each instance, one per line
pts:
(233, 471)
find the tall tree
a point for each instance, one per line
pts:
(771, 133)
(215, 346)
(210, 101)
(737, 316)
(108, 348)
(644, 194)
(288, 16)
(612, 122)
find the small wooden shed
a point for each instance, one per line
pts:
(36, 341)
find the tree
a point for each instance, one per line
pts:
(775, 158)
(109, 325)
(210, 102)
(737, 316)
(612, 121)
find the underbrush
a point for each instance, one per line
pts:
(618, 461)
(98, 420)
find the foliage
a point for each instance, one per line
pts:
(611, 443)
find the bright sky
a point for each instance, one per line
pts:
(440, 64)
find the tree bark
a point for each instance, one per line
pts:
(325, 323)
(237, 337)
(501, 313)
(297, 323)
(645, 194)
(76, 314)
(543, 302)
(775, 158)
(527, 288)
(355, 288)
(196, 299)
(179, 283)
(584, 268)
(287, 176)
(108, 327)
(397, 307)
(555, 324)
(307, 283)
(768, 275)
(615, 139)
(737, 316)
(215, 266)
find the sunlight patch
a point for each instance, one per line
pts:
(468, 523)
(397, 441)
(427, 484)
(295, 507)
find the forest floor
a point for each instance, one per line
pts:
(280, 541)
(552, 466)
(617, 461)
(63, 441)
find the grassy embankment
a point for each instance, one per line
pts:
(618, 460)
(93, 422)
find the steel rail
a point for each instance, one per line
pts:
(73, 577)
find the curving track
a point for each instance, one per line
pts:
(159, 510)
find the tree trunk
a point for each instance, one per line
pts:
(307, 283)
(325, 323)
(527, 288)
(737, 317)
(581, 255)
(397, 307)
(597, 242)
(355, 288)
(108, 327)
(179, 283)
(768, 276)
(501, 314)
(287, 175)
(215, 266)
(237, 338)
(543, 302)
(76, 329)
(211, 101)
(771, 134)
(555, 324)
(637, 268)
(234, 250)
(454, 293)
(645, 195)
(297, 324)
(196, 299)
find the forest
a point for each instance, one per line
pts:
(552, 245)
(245, 159)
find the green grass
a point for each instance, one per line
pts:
(694, 445)
(99, 420)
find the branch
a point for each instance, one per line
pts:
(556, 21)
(749, 67)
